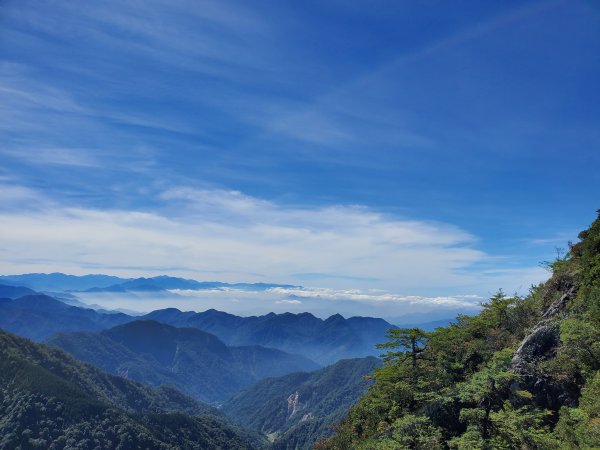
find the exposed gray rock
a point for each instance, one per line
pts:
(293, 404)
(539, 345)
(559, 304)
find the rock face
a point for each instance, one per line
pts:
(539, 345)
(293, 402)
(559, 304)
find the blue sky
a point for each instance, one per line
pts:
(414, 147)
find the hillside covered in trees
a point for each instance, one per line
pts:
(48, 400)
(196, 362)
(523, 374)
(297, 409)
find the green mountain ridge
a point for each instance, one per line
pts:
(523, 374)
(48, 400)
(196, 362)
(297, 409)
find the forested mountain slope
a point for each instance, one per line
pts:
(48, 400)
(297, 409)
(192, 360)
(523, 374)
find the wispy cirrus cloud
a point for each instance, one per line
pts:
(55, 156)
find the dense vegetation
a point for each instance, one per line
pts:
(297, 409)
(48, 400)
(523, 374)
(196, 362)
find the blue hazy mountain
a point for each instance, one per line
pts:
(192, 360)
(60, 281)
(323, 341)
(39, 316)
(13, 292)
(163, 283)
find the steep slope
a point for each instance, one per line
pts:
(523, 374)
(196, 362)
(50, 400)
(323, 341)
(39, 316)
(297, 409)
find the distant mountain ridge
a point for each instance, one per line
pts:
(322, 340)
(39, 316)
(194, 361)
(13, 292)
(166, 283)
(60, 282)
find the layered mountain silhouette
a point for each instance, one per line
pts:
(192, 360)
(322, 340)
(12, 292)
(297, 409)
(58, 282)
(39, 316)
(165, 283)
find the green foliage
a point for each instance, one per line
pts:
(461, 387)
(412, 343)
(48, 400)
(580, 427)
(414, 432)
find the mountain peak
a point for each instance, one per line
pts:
(335, 318)
(40, 301)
